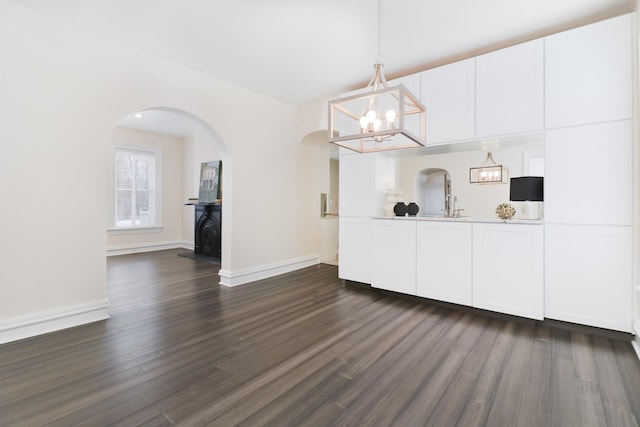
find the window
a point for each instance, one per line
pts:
(135, 187)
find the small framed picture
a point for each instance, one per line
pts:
(210, 173)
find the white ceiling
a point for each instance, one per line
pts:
(299, 51)
(161, 121)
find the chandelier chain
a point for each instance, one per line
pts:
(379, 57)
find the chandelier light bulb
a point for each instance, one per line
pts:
(364, 122)
(391, 117)
(371, 115)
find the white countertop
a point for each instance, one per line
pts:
(463, 219)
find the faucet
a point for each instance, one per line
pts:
(450, 206)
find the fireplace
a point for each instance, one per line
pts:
(208, 230)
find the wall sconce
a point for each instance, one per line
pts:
(489, 172)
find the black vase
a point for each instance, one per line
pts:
(412, 209)
(400, 209)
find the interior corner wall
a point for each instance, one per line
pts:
(170, 234)
(63, 90)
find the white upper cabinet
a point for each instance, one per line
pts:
(588, 74)
(411, 82)
(448, 94)
(588, 174)
(509, 90)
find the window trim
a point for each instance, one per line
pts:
(111, 189)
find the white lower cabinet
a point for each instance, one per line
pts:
(443, 269)
(354, 249)
(393, 255)
(508, 269)
(589, 275)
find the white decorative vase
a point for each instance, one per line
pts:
(390, 200)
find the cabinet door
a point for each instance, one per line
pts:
(448, 94)
(354, 249)
(393, 255)
(509, 90)
(588, 74)
(443, 270)
(588, 174)
(589, 275)
(508, 269)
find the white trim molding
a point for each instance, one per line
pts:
(147, 247)
(187, 244)
(636, 339)
(50, 321)
(241, 277)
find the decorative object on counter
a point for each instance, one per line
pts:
(390, 199)
(528, 193)
(400, 209)
(489, 172)
(378, 119)
(413, 209)
(505, 211)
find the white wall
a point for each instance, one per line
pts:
(63, 90)
(476, 200)
(172, 200)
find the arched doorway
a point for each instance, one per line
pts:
(180, 142)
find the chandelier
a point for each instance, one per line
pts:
(378, 118)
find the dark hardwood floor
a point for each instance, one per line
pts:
(303, 349)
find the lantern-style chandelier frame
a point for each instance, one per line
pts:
(379, 117)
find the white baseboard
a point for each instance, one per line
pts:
(636, 340)
(240, 277)
(147, 247)
(42, 323)
(187, 244)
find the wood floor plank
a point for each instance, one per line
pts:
(535, 403)
(628, 363)
(562, 388)
(448, 410)
(422, 383)
(588, 398)
(614, 397)
(306, 349)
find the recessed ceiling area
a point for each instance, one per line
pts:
(301, 51)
